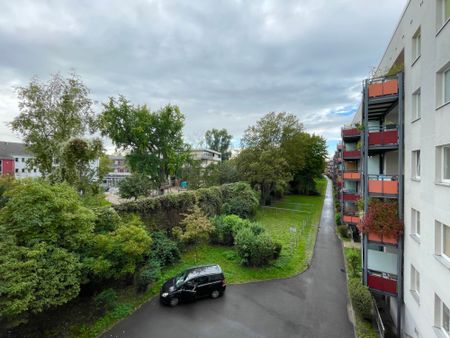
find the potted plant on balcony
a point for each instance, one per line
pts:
(381, 221)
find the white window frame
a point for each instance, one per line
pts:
(443, 179)
(415, 222)
(416, 46)
(439, 241)
(444, 99)
(415, 282)
(416, 105)
(439, 305)
(416, 164)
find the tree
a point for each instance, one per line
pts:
(219, 140)
(266, 170)
(194, 228)
(271, 131)
(50, 114)
(77, 163)
(104, 166)
(154, 139)
(135, 185)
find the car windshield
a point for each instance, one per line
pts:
(179, 279)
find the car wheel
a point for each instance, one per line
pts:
(215, 294)
(174, 302)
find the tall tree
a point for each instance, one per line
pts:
(154, 140)
(271, 131)
(219, 140)
(50, 114)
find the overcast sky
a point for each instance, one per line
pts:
(225, 63)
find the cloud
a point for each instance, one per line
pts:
(225, 63)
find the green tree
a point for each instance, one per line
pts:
(219, 140)
(135, 185)
(76, 164)
(194, 228)
(271, 131)
(154, 139)
(105, 166)
(50, 114)
(266, 170)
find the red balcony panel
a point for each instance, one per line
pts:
(351, 132)
(389, 87)
(352, 176)
(383, 137)
(339, 146)
(351, 219)
(382, 284)
(352, 154)
(383, 187)
(350, 196)
(382, 239)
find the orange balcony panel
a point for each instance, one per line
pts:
(382, 239)
(389, 87)
(351, 219)
(352, 176)
(383, 187)
(375, 89)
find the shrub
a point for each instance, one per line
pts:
(107, 219)
(343, 230)
(163, 249)
(210, 200)
(277, 246)
(239, 199)
(223, 229)
(148, 274)
(382, 218)
(106, 300)
(254, 250)
(361, 298)
(338, 218)
(353, 261)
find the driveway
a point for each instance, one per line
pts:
(312, 304)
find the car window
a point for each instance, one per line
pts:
(215, 278)
(202, 280)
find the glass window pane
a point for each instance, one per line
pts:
(446, 163)
(446, 241)
(447, 9)
(447, 86)
(418, 222)
(445, 318)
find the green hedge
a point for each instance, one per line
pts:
(165, 212)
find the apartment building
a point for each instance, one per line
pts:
(14, 158)
(206, 156)
(404, 124)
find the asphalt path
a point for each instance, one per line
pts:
(312, 304)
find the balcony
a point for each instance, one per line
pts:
(383, 186)
(383, 137)
(352, 175)
(351, 154)
(383, 87)
(384, 239)
(350, 218)
(380, 283)
(350, 196)
(350, 134)
(339, 146)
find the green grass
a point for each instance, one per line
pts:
(363, 327)
(304, 216)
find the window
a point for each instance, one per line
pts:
(443, 12)
(415, 222)
(416, 105)
(23, 160)
(17, 170)
(442, 240)
(34, 170)
(443, 85)
(416, 45)
(23, 170)
(415, 282)
(443, 164)
(441, 316)
(17, 159)
(416, 164)
(446, 85)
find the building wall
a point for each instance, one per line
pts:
(20, 167)
(431, 130)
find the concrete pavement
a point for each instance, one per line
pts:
(312, 304)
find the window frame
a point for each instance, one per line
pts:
(417, 105)
(442, 178)
(444, 99)
(443, 254)
(416, 165)
(415, 281)
(416, 51)
(415, 220)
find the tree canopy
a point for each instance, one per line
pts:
(219, 140)
(154, 140)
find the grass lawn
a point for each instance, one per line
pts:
(299, 212)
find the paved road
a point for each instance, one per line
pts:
(312, 304)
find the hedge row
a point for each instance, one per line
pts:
(165, 212)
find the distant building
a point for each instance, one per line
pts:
(206, 156)
(119, 171)
(14, 158)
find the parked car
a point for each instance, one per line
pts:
(193, 283)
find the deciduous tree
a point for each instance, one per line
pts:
(219, 140)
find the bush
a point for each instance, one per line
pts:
(361, 298)
(343, 230)
(353, 261)
(148, 274)
(338, 218)
(107, 219)
(106, 300)
(163, 249)
(277, 246)
(254, 250)
(226, 228)
(239, 199)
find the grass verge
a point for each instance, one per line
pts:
(301, 213)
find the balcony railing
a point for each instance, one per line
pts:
(382, 87)
(383, 185)
(350, 218)
(380, 283)
(352, 175)
(351, 154)
(373, 237)
(350, 133)
(383, 135)
(351, 196)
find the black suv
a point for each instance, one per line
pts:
(198, 282)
